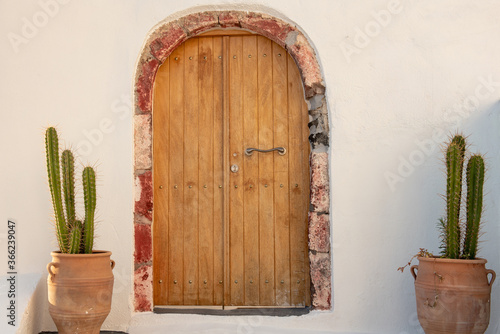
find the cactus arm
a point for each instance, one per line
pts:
(52, 153)
(89, 194)
(68, 172)
(75, 238)
(475, 181)
(442, 236)
(454, 167)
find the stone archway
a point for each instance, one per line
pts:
(159, 44)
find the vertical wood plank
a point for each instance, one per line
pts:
(306, 180)
(161, 104)
(250, 170)
(176, 176)
(225, 170)
(281, 196)
(191, 166)
(300, 183)
(218, 181)
(266, 166)
(236, 236)
(206, 172)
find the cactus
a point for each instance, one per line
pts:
(73, 236)
(68, 169)
(454, 167)
(89, 195)
(475, 181)
(52, 152)
(451, 226)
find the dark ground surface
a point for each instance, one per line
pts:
(277, 312)
(102, 332)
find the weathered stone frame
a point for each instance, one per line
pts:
(159, 44)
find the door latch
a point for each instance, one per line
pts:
(281, 150)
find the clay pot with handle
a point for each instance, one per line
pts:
(453, 295)
(80, 287)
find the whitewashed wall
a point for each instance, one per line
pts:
(400, 75)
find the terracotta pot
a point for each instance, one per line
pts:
(453, 296)
(80, 287)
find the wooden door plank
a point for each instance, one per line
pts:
(306, 180)
(266, 193)
(206, 172)
(160, 184)
(191, 167)
(225, 169)
(218, 181)
(299, 186)
(236, 237)
(281, 196)
(250, 171)
(176, 176)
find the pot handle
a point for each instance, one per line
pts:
(112, 264)
(412, 270)
(49, 269)
(493, 276)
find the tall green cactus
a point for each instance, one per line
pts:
(454, 168)
(52, 152)
(475, 181)
(72, 236)
(68, 169)
(455, 156)
(89, 195)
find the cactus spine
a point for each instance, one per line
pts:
(454, 167)
(72, 236)
(455, 156)
(475, 181)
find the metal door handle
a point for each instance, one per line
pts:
(281, 150)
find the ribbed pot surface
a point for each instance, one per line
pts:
(453, 296)
(80, 287)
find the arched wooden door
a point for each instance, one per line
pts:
(230, 228)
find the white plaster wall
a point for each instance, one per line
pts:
(418, 73)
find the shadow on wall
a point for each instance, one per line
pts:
(423, 192)
(482, 128)
(36, 315)
(484, 131)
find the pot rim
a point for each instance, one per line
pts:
(95, 253)
(477, 260)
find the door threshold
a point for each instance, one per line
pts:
(273, 311)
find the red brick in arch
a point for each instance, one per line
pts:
(159, 44)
